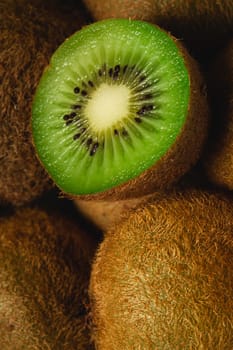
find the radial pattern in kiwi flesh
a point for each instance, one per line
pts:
(111, 103)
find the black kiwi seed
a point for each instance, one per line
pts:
(76, 90)
(66, 117)
(116, 132)
(84, 93)
(94, 148)
(146, 96)
(116, 71)
(142, 78)
(102, 70)
(89, 142)
(125, 69)
(124, 132)
(76, 136)
(76, 106)
(90, 83)
(144, 109)
(110, 72)
(117, 68)
(138, 120)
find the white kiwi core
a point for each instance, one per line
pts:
(107, 106)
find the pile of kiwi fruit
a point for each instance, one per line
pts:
(116, 203)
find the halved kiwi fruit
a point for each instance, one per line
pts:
(29, 33)
(218, 156)
(163, 279)
(44, 274)
(119, 112)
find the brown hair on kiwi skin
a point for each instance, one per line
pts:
(204, 25)
(44, 275)
(30, 31)
(166, 274)
(218, 155)
(105, 214)
(181, 156)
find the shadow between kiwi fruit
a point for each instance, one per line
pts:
(105, 214)
(44, 274)
(115, 121)
(30, 32)
(163, 279)
(218, 155)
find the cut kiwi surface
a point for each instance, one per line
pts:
(110, 105)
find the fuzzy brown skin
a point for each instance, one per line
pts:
(44, 273)
(163, 279)
(30, 32)
(181, 156)
(218, 157)
(201, 23)
(106, 214)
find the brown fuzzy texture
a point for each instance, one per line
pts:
(164, 279)
(204, 23)
(44, 273)
(184, 152)
(106, 214)
(218, 157)
(30, 31)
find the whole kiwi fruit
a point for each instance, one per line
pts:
(218, 156)
(203, 25)
(163, 279)
(29, 32)
(45, 260)
(115, 121)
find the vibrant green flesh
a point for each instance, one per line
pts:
(82, 158)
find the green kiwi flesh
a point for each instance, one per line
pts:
(110, 105)
(44, 273)
(163, 279)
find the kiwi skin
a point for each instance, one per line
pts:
(203, 25)
(181, 156)
(30, 32)
(44, 274)
(166, 274)
(218, 156)
(106, 214)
